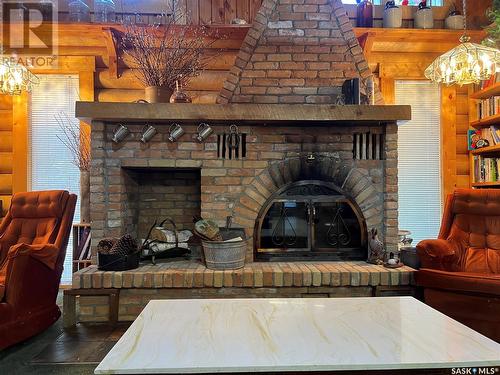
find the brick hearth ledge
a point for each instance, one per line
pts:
(191, 279)
(193, 274)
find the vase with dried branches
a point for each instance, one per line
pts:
(167, 54)
(77, 140)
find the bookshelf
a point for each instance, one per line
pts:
(486, 150)
(495, 184)
(486, 122)
(485, 162)
(493, 90)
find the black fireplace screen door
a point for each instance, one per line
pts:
(311, 220)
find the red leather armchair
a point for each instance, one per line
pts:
(33, 240)
(460, 271)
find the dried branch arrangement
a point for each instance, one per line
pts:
(78, 142)
(169, 53)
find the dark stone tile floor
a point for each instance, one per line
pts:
(75, 351)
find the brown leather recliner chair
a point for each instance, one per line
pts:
(460, 271)
(33, 240)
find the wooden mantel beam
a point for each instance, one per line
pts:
(260, 114)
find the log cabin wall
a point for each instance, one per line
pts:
(392, 54)
(6, 166)
(455, 108)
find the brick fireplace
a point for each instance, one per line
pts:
(297, 51)
(132, 183)
(311, 179)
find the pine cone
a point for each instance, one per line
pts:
(104, 246)
(124, 246)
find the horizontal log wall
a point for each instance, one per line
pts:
(6, 159)
(462, 126)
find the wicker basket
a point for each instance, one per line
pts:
(221, 255)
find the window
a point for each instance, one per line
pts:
(51, 163)
(398, 2)
(419, 160)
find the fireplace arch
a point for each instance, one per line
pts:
(310, 219)
(352, 178)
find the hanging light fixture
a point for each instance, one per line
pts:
(15, 78)
(466, 63)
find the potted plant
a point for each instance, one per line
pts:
(424, 18)
(166, 55)
(455, 20)
(493, 39)
(393, 15)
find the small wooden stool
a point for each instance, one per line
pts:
(69, 303)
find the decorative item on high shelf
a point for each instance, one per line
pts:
(375, 248)
(424, 18)
(493, 39)
(393, 15)
(78, 11)
(364, 13)
(455, 20)
(104, 11)
(179, 96)
(167, 55)
(239, 21)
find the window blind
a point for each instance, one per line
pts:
(419, 159)
(50, 162)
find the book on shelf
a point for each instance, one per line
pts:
(495, 78)
(486, 169)
(488, 107)
(491, 134)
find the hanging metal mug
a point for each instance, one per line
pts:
(120, 133)
(204, 131)
(148, 132)
(176, 131)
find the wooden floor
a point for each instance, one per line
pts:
(82, 344)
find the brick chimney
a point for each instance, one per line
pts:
(297, 51)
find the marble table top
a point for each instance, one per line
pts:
(315, 334)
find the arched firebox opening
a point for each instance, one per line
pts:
(308, 220)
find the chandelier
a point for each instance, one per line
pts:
(466, 63)
(15, 78)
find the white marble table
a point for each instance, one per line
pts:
(258, 335)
